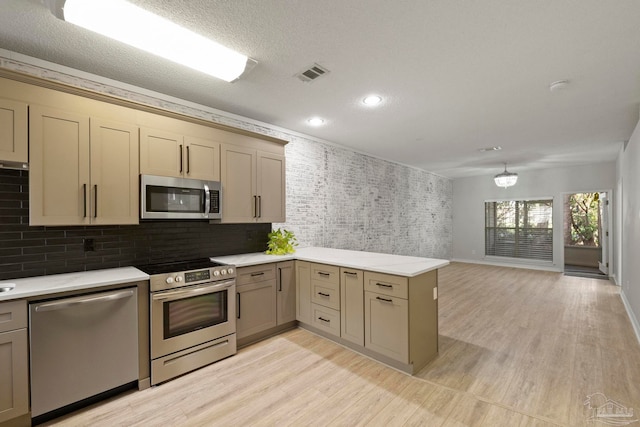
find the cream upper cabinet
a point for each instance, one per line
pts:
(13, 131)
(82, 170)
(170, 154)
(253, 185)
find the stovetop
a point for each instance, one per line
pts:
(178, 266)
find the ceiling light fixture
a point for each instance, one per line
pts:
(506, 179)
(486, 149)
(560, 84)
(315, 121)
(372, 100)
(127, 23)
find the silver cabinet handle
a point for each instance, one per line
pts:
(61, 305)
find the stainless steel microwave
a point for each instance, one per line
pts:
(163, 197)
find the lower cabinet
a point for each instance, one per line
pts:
(14, 360)
(265, 299)
(390, 318)
(387, 325)
(352, 305)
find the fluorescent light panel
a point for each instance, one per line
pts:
(125, 22)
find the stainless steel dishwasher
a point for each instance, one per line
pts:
(81, 347)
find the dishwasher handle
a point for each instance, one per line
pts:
(61, 305)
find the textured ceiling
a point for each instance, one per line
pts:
(456, 75)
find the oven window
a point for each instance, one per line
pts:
(173, 199)
(190, 314)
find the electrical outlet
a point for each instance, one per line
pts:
(435, 293)
(89, 245)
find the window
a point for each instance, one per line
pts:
(519, 229)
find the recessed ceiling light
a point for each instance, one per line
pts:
(484, 150)
(315, 121)
(372, 100)
(560, 84)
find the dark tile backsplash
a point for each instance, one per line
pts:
(27, 251)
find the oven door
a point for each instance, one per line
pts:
(185, 317)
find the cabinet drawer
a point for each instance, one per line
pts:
(328, 296)
(386, 284)
(13, 315)
(326, 273)
(326, 319)
(255, 274)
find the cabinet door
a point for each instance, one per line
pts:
(14, 374)
(256, 308)
(161, 153)
(13, 131)
(59, 167)
(202, 159)
(387, 326)
(303, 291)
(352, 305)
(238, 178)
(286, 280)
(114, 173)
(271, 188)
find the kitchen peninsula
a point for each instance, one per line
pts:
(383, 306)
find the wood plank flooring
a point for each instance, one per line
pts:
(517, 348)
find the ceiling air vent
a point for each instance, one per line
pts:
(312, 73)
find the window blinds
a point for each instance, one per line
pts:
(519, 229)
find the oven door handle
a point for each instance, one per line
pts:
(161, 296)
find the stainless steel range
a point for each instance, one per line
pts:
(193, 316)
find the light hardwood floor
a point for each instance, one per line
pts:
(517, 348)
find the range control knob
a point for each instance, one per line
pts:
(223, 271)
(178, 278)
(216, 273)
(169, 280)
(230, 270)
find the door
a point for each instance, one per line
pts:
(387, 325)
(603, 264)
(114, 173)
(238, 179)
(160, 153)
(271, 188)
(286, 306)
(255, 308)
(202, 159)
(59, 167)
(13, 131)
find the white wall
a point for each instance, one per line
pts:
(469, 195)
(628, 174)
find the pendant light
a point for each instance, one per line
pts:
(506, 179)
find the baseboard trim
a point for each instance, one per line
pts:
(632, 316)
(509, 264)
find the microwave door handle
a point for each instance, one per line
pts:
(207, 200)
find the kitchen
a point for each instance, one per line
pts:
(359, 202)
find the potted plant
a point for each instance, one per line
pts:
(281, 242)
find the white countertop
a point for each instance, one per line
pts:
(43, 285)
(399, 265)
